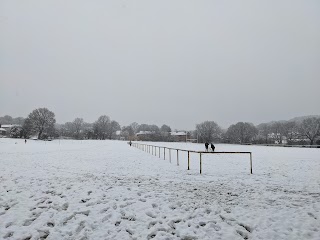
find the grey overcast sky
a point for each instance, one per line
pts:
(178, 62)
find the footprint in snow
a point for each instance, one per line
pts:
(8, 224)
(50, 224)
(43, 234)
(80, 227)
(8, 235)
(150, 214)
(107, 217)
(202, 224)
(104, 210)
(28, 222)
(151, 224)
(65, 206)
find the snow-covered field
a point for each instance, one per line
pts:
(107, 190)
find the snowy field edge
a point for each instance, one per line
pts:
(67, 189)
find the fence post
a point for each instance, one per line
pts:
(200, 164)
(159, 152)
(251, 163)
(177, 157)
(164, 153)
(188, 160)
(170, 155)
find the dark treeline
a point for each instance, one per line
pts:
(41, 124)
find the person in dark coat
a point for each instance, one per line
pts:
(212, 147)
(206, 146)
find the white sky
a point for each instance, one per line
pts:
(174, 62)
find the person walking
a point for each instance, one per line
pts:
(25, 141)
(206, 146)
(212, 147)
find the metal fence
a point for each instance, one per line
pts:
(156, 151)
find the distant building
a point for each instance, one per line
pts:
(6, 128)
(2, 131)
(179, 136)
(144, 135)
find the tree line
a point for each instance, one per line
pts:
(304, 132)
(42, 122)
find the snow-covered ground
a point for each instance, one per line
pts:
(108, 190)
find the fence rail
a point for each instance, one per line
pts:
(156, 150)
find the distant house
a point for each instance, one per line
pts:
(144, 135)
(6, 128)
(2, 131)
(179, 136)
(277, 138)
(282, 141)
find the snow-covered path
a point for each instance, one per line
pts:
(107, 190)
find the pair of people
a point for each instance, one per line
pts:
(207, 146)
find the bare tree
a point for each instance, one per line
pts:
(208, 131)
(6, 119)
(42, 120)
(264, 131)
(27, 128)
(277, 128)
(16, 132)
(134, 127)
(10, 120)
(143, 127)
(102, 126)
(310, 128)
(127, 132)
(18, 120)
(77, 126)
(242, 132)
(68, 129)
(165, 128)
(290, 130)
(114, 127)
(165, 133)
